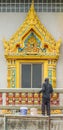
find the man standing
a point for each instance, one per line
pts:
(46, 91)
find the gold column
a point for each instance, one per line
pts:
(52, 72)
(11, 74)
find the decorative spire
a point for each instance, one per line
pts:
(33, 2)
(32, 5)
(31, 13)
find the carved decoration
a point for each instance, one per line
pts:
(32, 38)
(31, 41)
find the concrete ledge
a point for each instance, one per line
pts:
(17, 107)
(28, 122)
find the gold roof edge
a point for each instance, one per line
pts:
(33, 23)
(30, 21)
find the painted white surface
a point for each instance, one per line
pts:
(9, 23)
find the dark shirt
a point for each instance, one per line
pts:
(46, 90)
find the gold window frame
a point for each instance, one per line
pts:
(18, 62)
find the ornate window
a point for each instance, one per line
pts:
(31, 54)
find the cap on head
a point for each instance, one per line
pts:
(46, 79)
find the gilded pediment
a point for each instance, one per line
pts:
(32, 38)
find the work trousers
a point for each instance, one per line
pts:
(45, 106)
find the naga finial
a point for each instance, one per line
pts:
(32, 3)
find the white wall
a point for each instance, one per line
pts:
(9, 23)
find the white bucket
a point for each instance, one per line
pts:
(33, 111)
(23, 110)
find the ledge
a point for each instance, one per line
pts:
(28, 116)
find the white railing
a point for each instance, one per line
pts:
(23, 94)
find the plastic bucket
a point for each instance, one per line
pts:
(33, 111)
(23, 110)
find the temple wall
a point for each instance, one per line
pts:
(9, 23)
(31, 122)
